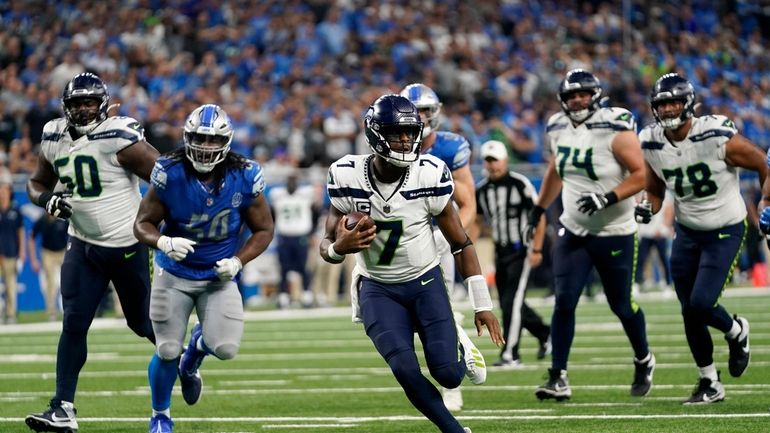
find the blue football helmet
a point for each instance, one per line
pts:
(425, 99)
(386, 120)
(85, 86)
(673, 87)
(580, 80)
(207, 136)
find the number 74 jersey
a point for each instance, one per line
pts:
(105, 196)
(705, 188)
(586, 163)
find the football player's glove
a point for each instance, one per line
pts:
(764, 220)
(592, 202)
(533, 220)
(226, 269)
(56, 204)
(643, 212)
(176, 248)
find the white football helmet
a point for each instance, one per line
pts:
(207, 136)
(424, 98)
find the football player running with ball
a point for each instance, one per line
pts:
(99, 159)
(402, 289)
(697, 159)
(204, 194)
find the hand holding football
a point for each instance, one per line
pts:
(353, 219)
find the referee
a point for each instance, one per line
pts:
(504, 198)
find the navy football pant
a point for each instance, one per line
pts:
(292, 256)
(85, 276)
(392, 313)
(614, 258)
(702, 263)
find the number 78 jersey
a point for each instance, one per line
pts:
(705, 188)
(105, 195)
(404, 248)
(586, 163)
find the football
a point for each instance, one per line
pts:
(353, 219)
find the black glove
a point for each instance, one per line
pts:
(534, 219)
(55, 203)
(643, 212)
(591, 202)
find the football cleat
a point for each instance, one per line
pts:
(59, 417)
(189, 364)
(453, 399)
(161, 424)
(467, 430)
(643, 377)
(474, 361)
(507, 364)
(739, 349)
(557, 386)
(706, 391)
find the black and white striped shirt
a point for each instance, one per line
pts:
(505, 204)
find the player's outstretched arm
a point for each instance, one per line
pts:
(470, 269)
(139, 158)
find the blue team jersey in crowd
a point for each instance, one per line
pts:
(212, 219)
(451, 148)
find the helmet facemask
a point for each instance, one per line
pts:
(207, 137)
(672, 87)
(427, 103)
(85, 86)
(403, 143)
(579, 80)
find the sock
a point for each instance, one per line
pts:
(709, 372)
(162, 375)
(734, 331)
(644, 360)
(166, 412)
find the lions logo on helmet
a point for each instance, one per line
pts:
(427, 103)
(207, 136)
(672, 87)
(79, 116)
(580, 80)
(389, 120)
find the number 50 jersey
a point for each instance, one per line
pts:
(404, 248)
(105, 194)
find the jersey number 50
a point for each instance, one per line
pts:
(86, 182)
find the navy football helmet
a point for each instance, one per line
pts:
(207, 136)
(580, 80)
(673, 87)
(85, 86)
(385, 123)
(424, 98)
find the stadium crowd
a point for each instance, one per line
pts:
(296, 76)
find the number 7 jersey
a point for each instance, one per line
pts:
(404, 247)
(705, 188)
(105, 194)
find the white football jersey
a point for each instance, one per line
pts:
(585, 162)
(705, 188)
(404, 248)
(105, 194)
(293, 212)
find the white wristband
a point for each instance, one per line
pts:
(333, 254)
(478, 292)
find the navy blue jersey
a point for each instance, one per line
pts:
(451, 148)
(196, 212)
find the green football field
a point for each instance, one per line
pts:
(315, 371)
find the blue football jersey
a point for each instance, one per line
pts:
(194, 211)
(451, 148)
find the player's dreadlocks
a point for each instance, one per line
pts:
(233, 160)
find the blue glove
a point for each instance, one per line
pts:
(764, 220)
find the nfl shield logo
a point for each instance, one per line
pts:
(237, 199)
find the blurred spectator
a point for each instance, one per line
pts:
(12, 247)
(38, 115)
(8, 128)
(21, 157)
(53, 240)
